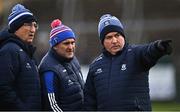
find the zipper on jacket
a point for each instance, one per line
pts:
(109, 76)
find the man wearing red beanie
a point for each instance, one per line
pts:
(61, 77)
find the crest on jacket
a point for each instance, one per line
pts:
(123, 67)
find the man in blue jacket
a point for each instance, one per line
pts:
(118, 78)
(62, 82)
(19, 78)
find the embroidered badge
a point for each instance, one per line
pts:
(123, 67)
(28, 65)
(106, 23)
(70, 82)
(64, 70)
(99, 70)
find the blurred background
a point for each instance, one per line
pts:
(144, 21)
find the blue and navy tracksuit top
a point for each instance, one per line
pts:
(120, 82)
(62, 83)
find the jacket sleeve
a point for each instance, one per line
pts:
(90, 101)
(8, 70)
(49, 85)
(149, 54)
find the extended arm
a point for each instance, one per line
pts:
(150, 53)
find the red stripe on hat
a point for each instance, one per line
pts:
(55, 33)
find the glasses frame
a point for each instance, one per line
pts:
(31, 25)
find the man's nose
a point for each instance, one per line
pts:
(71, 46)
(114, 39)
(33, 28)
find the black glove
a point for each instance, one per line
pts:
(165, 46)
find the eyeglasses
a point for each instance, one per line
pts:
(31, 25)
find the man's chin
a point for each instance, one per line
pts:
(70, 57)
(30, 41)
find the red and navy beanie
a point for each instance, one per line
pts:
(18, 17)
(107, 24)
(60, 33)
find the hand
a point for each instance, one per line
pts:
(165, 46)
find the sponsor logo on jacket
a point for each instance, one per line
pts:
(98, 71)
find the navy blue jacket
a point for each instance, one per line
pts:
(19, 78)
(62, 83)
(120, 82)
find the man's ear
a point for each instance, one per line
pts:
(55, 48)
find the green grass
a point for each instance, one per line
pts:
(165, 106)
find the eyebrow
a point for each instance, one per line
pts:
(68, 42)
(112, 35)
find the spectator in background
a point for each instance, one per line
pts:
(62, 81)
(118, 78)
(19, 78)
